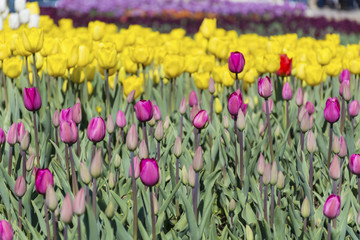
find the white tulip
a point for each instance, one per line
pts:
(14, 21)
(20, 5)
(3, 5)
(5, 13)
(24, 16)
(34, 21)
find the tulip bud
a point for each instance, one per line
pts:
(20, 186)
(143, 151)
(354, 164)
(43, 179)
(311, 142)
(280, 181)
(30, 162)
(274, 173)
(6, 231)
(334, 170)
(120, 119)
(194, 110)
(264, 87)
(25, 141)
(305, 208)
(144, 110)
(110, 125)
(267, 174)
(201, 119)
(301, 113)
(332, 206)
(96, 130)
(132, 138)
(185, 175)
(305, 123)
(261, 165)
(51, 200)
(344, 75)
(66, 115)
(177, 147)
(261, 128)
(157, 113)
(84, 173)
(76, 113)
(110, 210)
(236, 62)
(79, 202)
(198, 162)
(336, 145)
(136, 168)
(167, 123)
(309, 106)
(191, 176)
(2, 136)
(299, 97)
(117, 161)
(66, 210)
(286, 92)
(217, 106)
(277, 131)
(55, 119)
(211, 86)
(343, 147)
(232, 205)
(149, 172)
(111, 180)
(358, 218)
(193, 99)
(346, 92)
(332, 110)
(182, 108)
(130, 97)
(97, 164)
(354, 108)
(159, 131)
(68, 132)
(11, 136)
(225, 121)
(240, 121)
(234, 103)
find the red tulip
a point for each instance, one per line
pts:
(285, 66)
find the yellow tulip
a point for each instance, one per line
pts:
(33, 7)
(173, 66)
(177, 33)
(71, 51)
(33, 39)
(77, 75)
(300, 70)
(98, 109)
(90, 70)
(173, 46)
(222, 50)
(271, 62)
(4, 51)
(119, 41)
(39, 61)
(97, 30)
(122, 75)
(66, 24)
(191, 63)
(202, 80)
(259, 64)
(64, 86)
(139, 54)
(313, 74)
(112, 82)
(51, 46)
(323, 56)
(354, 66)
(20, 49)
(111, 71)
(56, 65)
(84, 56)
(111, 28)
(106, 55)
(208, 27)
(250, 76)
(133, 83)
(334, 67)
(212, 44)
(207, 63)
(90, 88)
(218, 73)
(218, 106)
(130, 66)
(12, 67)
(228, 80)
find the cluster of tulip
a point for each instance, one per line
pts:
(192, 149)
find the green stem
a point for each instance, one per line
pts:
(134, 196)
(152, 215)
(36, 141)
(269, 130)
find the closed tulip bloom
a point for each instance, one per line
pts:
(110, 210)
(354, 164)
(84, 56)
(309, 106)
(12, 67)
(236, 62)
(79, 202)
(25, 141)
(50, 47)
(110, 125)
(267, 174)
(68, 132)
(55, 119)
(305, 123)
(20, 186)
(32, 99)
(261, 165)
(208, 27)
(305, 208)
(97, 164)
(334, 170)
(299, 97)
(264, 87)
(332, 110)
(343, 147)
(285, 66)
(234, 103)
(51, 199)
(346, 92)
(120, 119)
(5, 51)
(56, 65)
(191, 176)
(106, 55)
(311, 142)
(66, 115)
(33, 39)
(354, 108)
(96, 130)
(43, 179)
(136, 168)
(159, 131)
(270, 103)
(144, 110)
(201, 119)
(280, 180)
(217, 106)
(336, 145)
(149, 172)
(143, 151)
(6, 231)
(286, 92)
(84, 173)
(76, 113)
(211, 88)
(132, 138)
(240, 121)
(2, 136)
(66, 210)
(274, 173)
(182, 108)
(198, 162)
(157, 113)
(344, 75)
(20, 131)
(332, 206)
(193, 99)
(20, 5)
(11, 136)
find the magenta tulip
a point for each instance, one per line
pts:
(243, 108)
(144, 110)
(309, 106)
(76, 113)
(32, 99)
(68, 132)
(354, 108)
(286, 92)
(234, 103)
(193, 99)
(354, 164)
(270, 105)
(344, 75)
(2, 136)
(149, 172)
(96, 129)
(236, 62)
(120, 119)
(11, 136)
(332, 110)
(66, 115)
(43, 179)
(201, 119)
(332, 206)
(6, 231)
(264, 87)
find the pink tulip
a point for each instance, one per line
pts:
(345, 83)
(334, 170)
(76, 113)
(182, 108)
(299, 97)
(194, 110)
(66, 210)
(354, 164)
(136, 168)
(2, 136)
(32, 99)
(286, 92)
(20, 131)
(270, 105)
(66, 115)
(11, 136)
(193, 99)
(6, 231)
(149, 172)
(243, 108)
(132, 138)
(144, 110)
(354, 108)
(332, 110)
(344, 75)
(68, 132)
(236, 62)
(43, 179)
(55, 119)
(79, 202)
(157, 113)
(332, 206)
(201, 119)
(120, 119)
(309, 106)
(96, 130)
(20, 186)
(234, 103)
(264, 87)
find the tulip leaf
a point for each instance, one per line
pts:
(194, 231)
(279, 225)
(41, 218)
(92, 228)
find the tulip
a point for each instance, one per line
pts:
(79, 202)
(201, 119)
(305, 124)
(305, 208)
(299, 97)
(76, 113)
(33, 39)
(159, 131)
(20, 5)
(354, 108)
(97, 164)
(14, 20)
(285, 66)
(343, 147)
(149, 172)
(236, 62)
(66, 115)
(234, 103)
(208, 27)
(32, 99)
(71, 51)
(136, 168)
(270, 104)
(182, 108)
(84, 173)
(2, 136)
(334, 170)
(66, 210)
(110, 125)
(120, 119)
(261, 165)
(286, 92)
(12, 67)
(55, 119)
(6, 231)
(110, 211)
(336, 145)
(56, 65)
(143, 151)
(309, 106)
(51, 200)
(144, 110)
(96, 130)
(43, 179)
(332, 110)
(193, 99)
(264, 87)
(106, 55)
(198, 162)
(332, 206)
(354, 164)
(194, 110)
(132, 138)
(12, 134)
(191, 177)
(344, 75)
(20, 186)
(68, 132)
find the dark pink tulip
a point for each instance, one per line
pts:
(11, 136)
(310, 107)
(264, 87)
(354, 108)
(32, 99)
(332, 206)
(20, 131)
(66, 115)
(270, 105)
(68, 132)
(43, 179)
(136, 168)
(286, 92)
(201, 119)
(76, 113)
(236, 62)
(354, 164)
(2, 136)
(234, 103)
(96, 129)
(120, 119)
(149, 172)
(157, 113)
(144, 110)
(344, 75)
(193, 99)
(243, 108)
(332, 110)
(6, 231)
(299, 97)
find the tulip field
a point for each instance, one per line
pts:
(131, 133)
